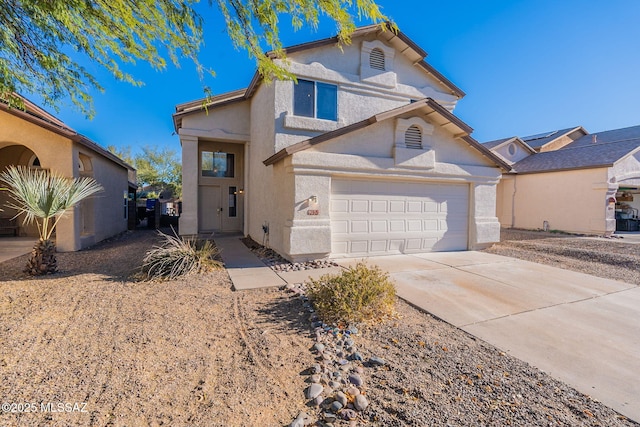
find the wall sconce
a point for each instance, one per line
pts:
(313, 199)
(240, 191)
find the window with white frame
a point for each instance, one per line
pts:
(315, 99)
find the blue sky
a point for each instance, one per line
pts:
(526, 67)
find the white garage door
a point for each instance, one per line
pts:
(375, 218)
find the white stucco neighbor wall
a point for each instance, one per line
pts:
(572, 201)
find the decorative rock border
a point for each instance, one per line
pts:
(337, 381)
(278, 263)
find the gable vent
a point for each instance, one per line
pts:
(376, 59)
(413, 137)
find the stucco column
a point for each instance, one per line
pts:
(188, 224)
(247, 168)
(484, 225)
(308, 234)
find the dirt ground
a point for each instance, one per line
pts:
(191, 352)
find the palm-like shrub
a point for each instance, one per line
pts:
(43, 198)
(176, 256)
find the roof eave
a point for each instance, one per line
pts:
(566, 169)
(426, 102)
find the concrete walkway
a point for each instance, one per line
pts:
(13, 247)
(578, 328)
(248, 272)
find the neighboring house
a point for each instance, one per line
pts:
(362, 156)
(571, 180)
(36, 139)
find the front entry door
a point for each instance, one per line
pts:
(210, 208)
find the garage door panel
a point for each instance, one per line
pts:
(379, 246)
(379, 226)
(340, 227)
(359, 206)
(339, 205)
(397, 217)
(396, 206)
(359, 246)
(379, 206)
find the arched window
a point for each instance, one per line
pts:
(413, 137)
(376, 59)
(34, 162)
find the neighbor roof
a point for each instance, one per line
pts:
(541, 139)
(498, 142)
(40, 117)
(448, 120)
(397, 39)
(579, 156)
(616, 135)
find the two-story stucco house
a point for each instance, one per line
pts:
(361, 156)
(36, 139)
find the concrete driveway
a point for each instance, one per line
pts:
(12, 247)
(580, 329)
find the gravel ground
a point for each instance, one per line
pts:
(191, 352)
(607, 258)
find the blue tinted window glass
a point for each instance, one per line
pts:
(303, 98)
(327, 102)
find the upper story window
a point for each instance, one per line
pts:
(315, 99)
(413, 137)
(217, 164)
(512, 149)
(376, 59)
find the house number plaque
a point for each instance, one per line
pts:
(313, 212)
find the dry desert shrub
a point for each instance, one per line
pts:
(359, 294)
(177, 256)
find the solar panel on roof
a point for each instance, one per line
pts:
(539, 136)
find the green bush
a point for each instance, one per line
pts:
(176, 257)
(359, 294)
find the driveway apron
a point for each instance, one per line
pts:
(578, 328)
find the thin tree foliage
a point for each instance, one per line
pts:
(44, 44)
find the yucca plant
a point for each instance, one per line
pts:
(176, 256)
(43, 198)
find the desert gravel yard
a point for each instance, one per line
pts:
(191, 352)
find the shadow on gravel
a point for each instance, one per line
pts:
(129, 249)
(289, 312)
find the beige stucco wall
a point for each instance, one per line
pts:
(60, 154)
(107, 207)
(369, 154)
(572, 201)
(276, 195)
(229, 124)
(358, 97)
